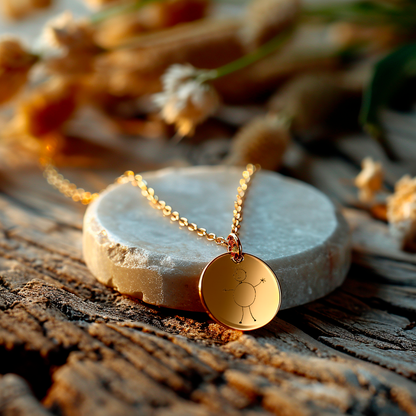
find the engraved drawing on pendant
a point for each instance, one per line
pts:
(244, 293)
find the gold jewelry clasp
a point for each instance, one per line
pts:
(235, 248)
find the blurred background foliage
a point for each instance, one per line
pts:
(281, 70)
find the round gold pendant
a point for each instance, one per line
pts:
(243, 295)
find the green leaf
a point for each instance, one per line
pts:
(367, 12)
(390, 73)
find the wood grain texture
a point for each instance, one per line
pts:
(72, 347)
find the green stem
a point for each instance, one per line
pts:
(121, 9)
(246, 60)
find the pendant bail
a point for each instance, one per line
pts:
(235, 248)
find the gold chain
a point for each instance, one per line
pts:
(168, 211)
(70, 190)
(64, 186)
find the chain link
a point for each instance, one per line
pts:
(70, 190)
(64, 186)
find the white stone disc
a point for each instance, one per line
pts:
(290, 225)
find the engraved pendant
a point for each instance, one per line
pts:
(243, 295)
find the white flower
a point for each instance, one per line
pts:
(187, 99)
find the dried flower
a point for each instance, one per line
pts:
(401, 213)
(266, 18)
(15, 63)
(98, 4)
(118, 29)
(65, 32)
(187, 99)
(69, 44)
(172, 12)
(308, 99)
(377, 38)
(370, 180)
(310, 49)
(18, 9)
(136, 70)
(46, 109)
(263, 140)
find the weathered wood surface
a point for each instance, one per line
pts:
(72, 347)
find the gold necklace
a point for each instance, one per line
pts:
(237, 289)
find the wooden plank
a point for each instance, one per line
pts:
(79, 348)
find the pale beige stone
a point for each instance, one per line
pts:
(292, 226)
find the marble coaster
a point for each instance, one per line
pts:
(290, 225)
